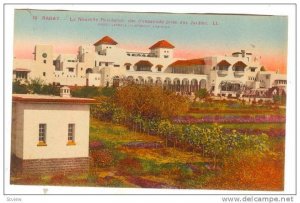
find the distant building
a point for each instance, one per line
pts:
(50, 133)
(104, 63)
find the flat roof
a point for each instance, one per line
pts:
(36, 98)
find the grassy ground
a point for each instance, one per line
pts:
(161, 167)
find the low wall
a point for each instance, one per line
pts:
(46, 166)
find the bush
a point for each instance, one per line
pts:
(102, 158)
(19, 87)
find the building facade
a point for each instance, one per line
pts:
(104, 64)
(44, 139)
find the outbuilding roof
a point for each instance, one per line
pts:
(34, 98)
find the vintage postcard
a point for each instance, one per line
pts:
(149, 100)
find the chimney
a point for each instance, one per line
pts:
(243, 53)
(65, 92)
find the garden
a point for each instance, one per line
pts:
(143, 136)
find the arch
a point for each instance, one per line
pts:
(176, 84)
(116, 81)
(185, 85)
(140, 80)
(167, 84)
(149, 80)
(202, 84)
(89, 70)
(130, 79)
(158, 81)
(194, 85)
(167, 81)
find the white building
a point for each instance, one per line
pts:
(104, 63)
(50, 133)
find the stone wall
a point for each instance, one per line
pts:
(49, 166)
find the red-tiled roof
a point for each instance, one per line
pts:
(162, 44)
(224, 63)
(144, 63)
(106, 40)
(50, 99)
(239, 64)
(191, 62)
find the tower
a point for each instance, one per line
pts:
(105, 45)
(43, 54)
(162, 49)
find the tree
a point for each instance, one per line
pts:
(35, 86)
(201, 94)
(108, 91)
(86, 92)
(19, 87)
(150, 101)
(50, 89)
(165, 128)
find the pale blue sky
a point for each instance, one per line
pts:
(234, 32)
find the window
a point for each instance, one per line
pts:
(252, 69)
(128, 67)
(159, 69)
(71, 70)
(166, 56)
(45, 61)
(106, 64)
(42, 134)
(21, 75)
(44, 73)
(71, 134)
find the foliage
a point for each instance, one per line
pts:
(35, 86)
(201, 94)
(108, 91)
(86, 92)
(104, 109)
(230, 119)
(279, 99)
(50, 89)
(101, 158)
(150, 101)
(19, 87)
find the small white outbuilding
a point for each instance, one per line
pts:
(50, 133)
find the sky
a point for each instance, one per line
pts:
(193, 35)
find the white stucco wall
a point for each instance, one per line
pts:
(17, 130)
(57, 117)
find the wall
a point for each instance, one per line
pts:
(17, 129)
(57, 117)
